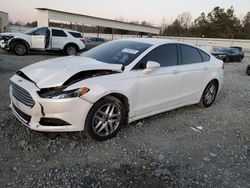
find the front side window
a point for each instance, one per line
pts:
(41, 31)
(165, 55)
(117, 52)
(30, 31)
(190, 55)
(58, 33)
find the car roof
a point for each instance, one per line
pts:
(153, 41)
(159, 41)
(65, 29)
(228, 48)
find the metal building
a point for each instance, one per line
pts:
(45, 15)
(4, 21)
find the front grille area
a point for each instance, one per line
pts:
(22, 95)
(26, 117)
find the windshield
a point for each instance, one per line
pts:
(222, 50)
(30, 31)
(117, 52)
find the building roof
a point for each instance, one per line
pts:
(86, 19)
(4, 12)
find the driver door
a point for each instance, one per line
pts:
(161, 88)
(38, 38)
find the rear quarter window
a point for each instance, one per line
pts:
(58, 33)
(204, 55)
(76, 35)
(190, 55)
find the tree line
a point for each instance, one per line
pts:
(219, 23)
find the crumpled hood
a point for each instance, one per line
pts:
(8, 34)
(54, 72)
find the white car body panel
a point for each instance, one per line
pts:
(58, 42)
(148, 94)
(37, 41)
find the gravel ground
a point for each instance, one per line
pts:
(167, 150)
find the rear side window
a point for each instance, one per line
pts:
(58, 33)
(76, 35)
(190, 55)
(205, 56)
(166, 55)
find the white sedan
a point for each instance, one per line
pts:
(113, 84)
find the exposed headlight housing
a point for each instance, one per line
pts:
(59, 93)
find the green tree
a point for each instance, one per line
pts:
(246, 26)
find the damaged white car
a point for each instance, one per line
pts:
(49, 39)
(113, 84)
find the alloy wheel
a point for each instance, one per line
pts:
(210, 94)
(71, 50)
(106, 119)
(20, 49)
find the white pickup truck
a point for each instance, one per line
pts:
(44, 39)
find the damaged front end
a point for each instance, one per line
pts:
(61, 92)
(5, 41)
(48, 109)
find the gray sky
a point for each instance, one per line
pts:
(130, 10)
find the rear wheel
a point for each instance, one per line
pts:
(70, 50)
(209, 94)
(19, 48)
(105, 118)
(240, 59)
(226, 60)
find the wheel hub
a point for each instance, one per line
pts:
(106, 119)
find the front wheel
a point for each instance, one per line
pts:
(105, 118)
(209, 94)
(19, 48)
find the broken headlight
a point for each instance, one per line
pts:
(59, 93)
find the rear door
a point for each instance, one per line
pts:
(59, 39)
(194, 72)
(38, 38)
(159, 89)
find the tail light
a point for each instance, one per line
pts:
(83, 40)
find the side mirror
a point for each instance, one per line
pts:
(151, 66)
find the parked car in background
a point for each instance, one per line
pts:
(112, 84)
(240, 49)
(248, 70)
(92, 42)
(229, 54)
(43, 39)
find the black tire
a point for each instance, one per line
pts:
(19, 48)
(92, 130)
(226, 60)
(248, 70)
(239, 59)
(204, 102)
(70, 50)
